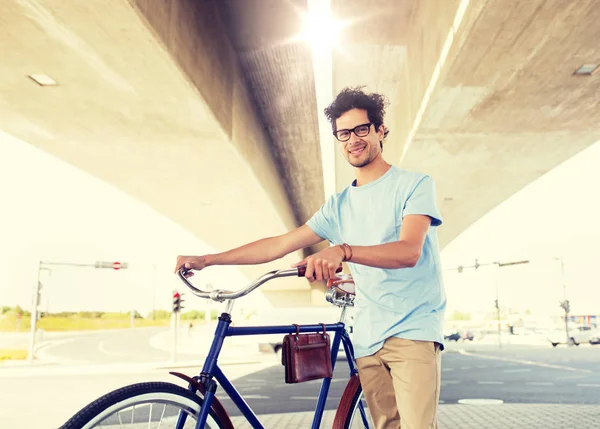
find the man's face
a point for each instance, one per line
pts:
(359, 150)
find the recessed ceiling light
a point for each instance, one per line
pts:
(43, 80)
(587, 69)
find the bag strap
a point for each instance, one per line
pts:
(297, 331)
(324, 330)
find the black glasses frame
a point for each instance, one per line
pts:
(353, 130)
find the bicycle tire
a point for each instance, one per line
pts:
(144, 393)
(346, 415)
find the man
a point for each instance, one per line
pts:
(384, 226)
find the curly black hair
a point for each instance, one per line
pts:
(356, 98)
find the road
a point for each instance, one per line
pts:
(124, 345)
(518, 374)
(513, 374)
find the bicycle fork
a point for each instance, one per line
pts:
(204, 383)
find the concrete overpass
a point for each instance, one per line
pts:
(210, 111)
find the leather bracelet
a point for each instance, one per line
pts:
(347, 246)
(346, 249)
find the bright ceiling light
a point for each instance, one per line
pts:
(43, 80)
(587, 69)
(320, 30)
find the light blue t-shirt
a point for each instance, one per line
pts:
(407, 302)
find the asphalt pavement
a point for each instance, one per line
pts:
(517, 375)
(530, 383)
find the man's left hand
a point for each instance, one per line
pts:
(322, 265)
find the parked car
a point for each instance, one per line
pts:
(452, 336)
(577, 335)
(595, 337)
(468, 336)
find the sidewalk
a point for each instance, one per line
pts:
(457, 416)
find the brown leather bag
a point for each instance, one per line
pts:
(306, 356)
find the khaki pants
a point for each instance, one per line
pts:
(401, 383)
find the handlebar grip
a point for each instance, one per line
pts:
(302, 270)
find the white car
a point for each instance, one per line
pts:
(577, 335)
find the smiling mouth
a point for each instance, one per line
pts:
(357, 151)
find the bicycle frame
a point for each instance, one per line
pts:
(212, 370)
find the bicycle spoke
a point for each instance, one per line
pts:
(162, 415)
(120, 421)
(150, 417)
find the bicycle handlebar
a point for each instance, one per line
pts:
(223, 295)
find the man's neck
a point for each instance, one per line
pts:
(371, 172)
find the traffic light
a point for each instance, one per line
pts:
(177, 300)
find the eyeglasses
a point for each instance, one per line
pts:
(359, 131)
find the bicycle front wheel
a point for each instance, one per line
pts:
(353, 413)
(146, 405)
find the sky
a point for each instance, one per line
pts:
(54, 212)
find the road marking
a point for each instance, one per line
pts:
(450, 381)
(447, 369)
(41, 352)
(476, 401)
(102, 348)
(465, 367)
(481, 366)
(256, 397)
(573, 377)
(518, 370)
(540, 383)
(490, 382)
(588, 385)
(525, 362)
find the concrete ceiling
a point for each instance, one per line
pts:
(206, 111)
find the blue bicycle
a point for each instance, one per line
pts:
(166, 405)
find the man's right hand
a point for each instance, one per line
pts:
(191, 263)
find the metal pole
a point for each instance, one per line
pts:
(498, 308)
(562, 276)
(174, 348)
(35, 303)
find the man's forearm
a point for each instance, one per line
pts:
(398, 254)
(257, 252)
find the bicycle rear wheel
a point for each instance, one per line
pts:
(144, 405)
(353, 413)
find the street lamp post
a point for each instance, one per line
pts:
(565, 305)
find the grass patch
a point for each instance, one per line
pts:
(75, 323)
(8, 354)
